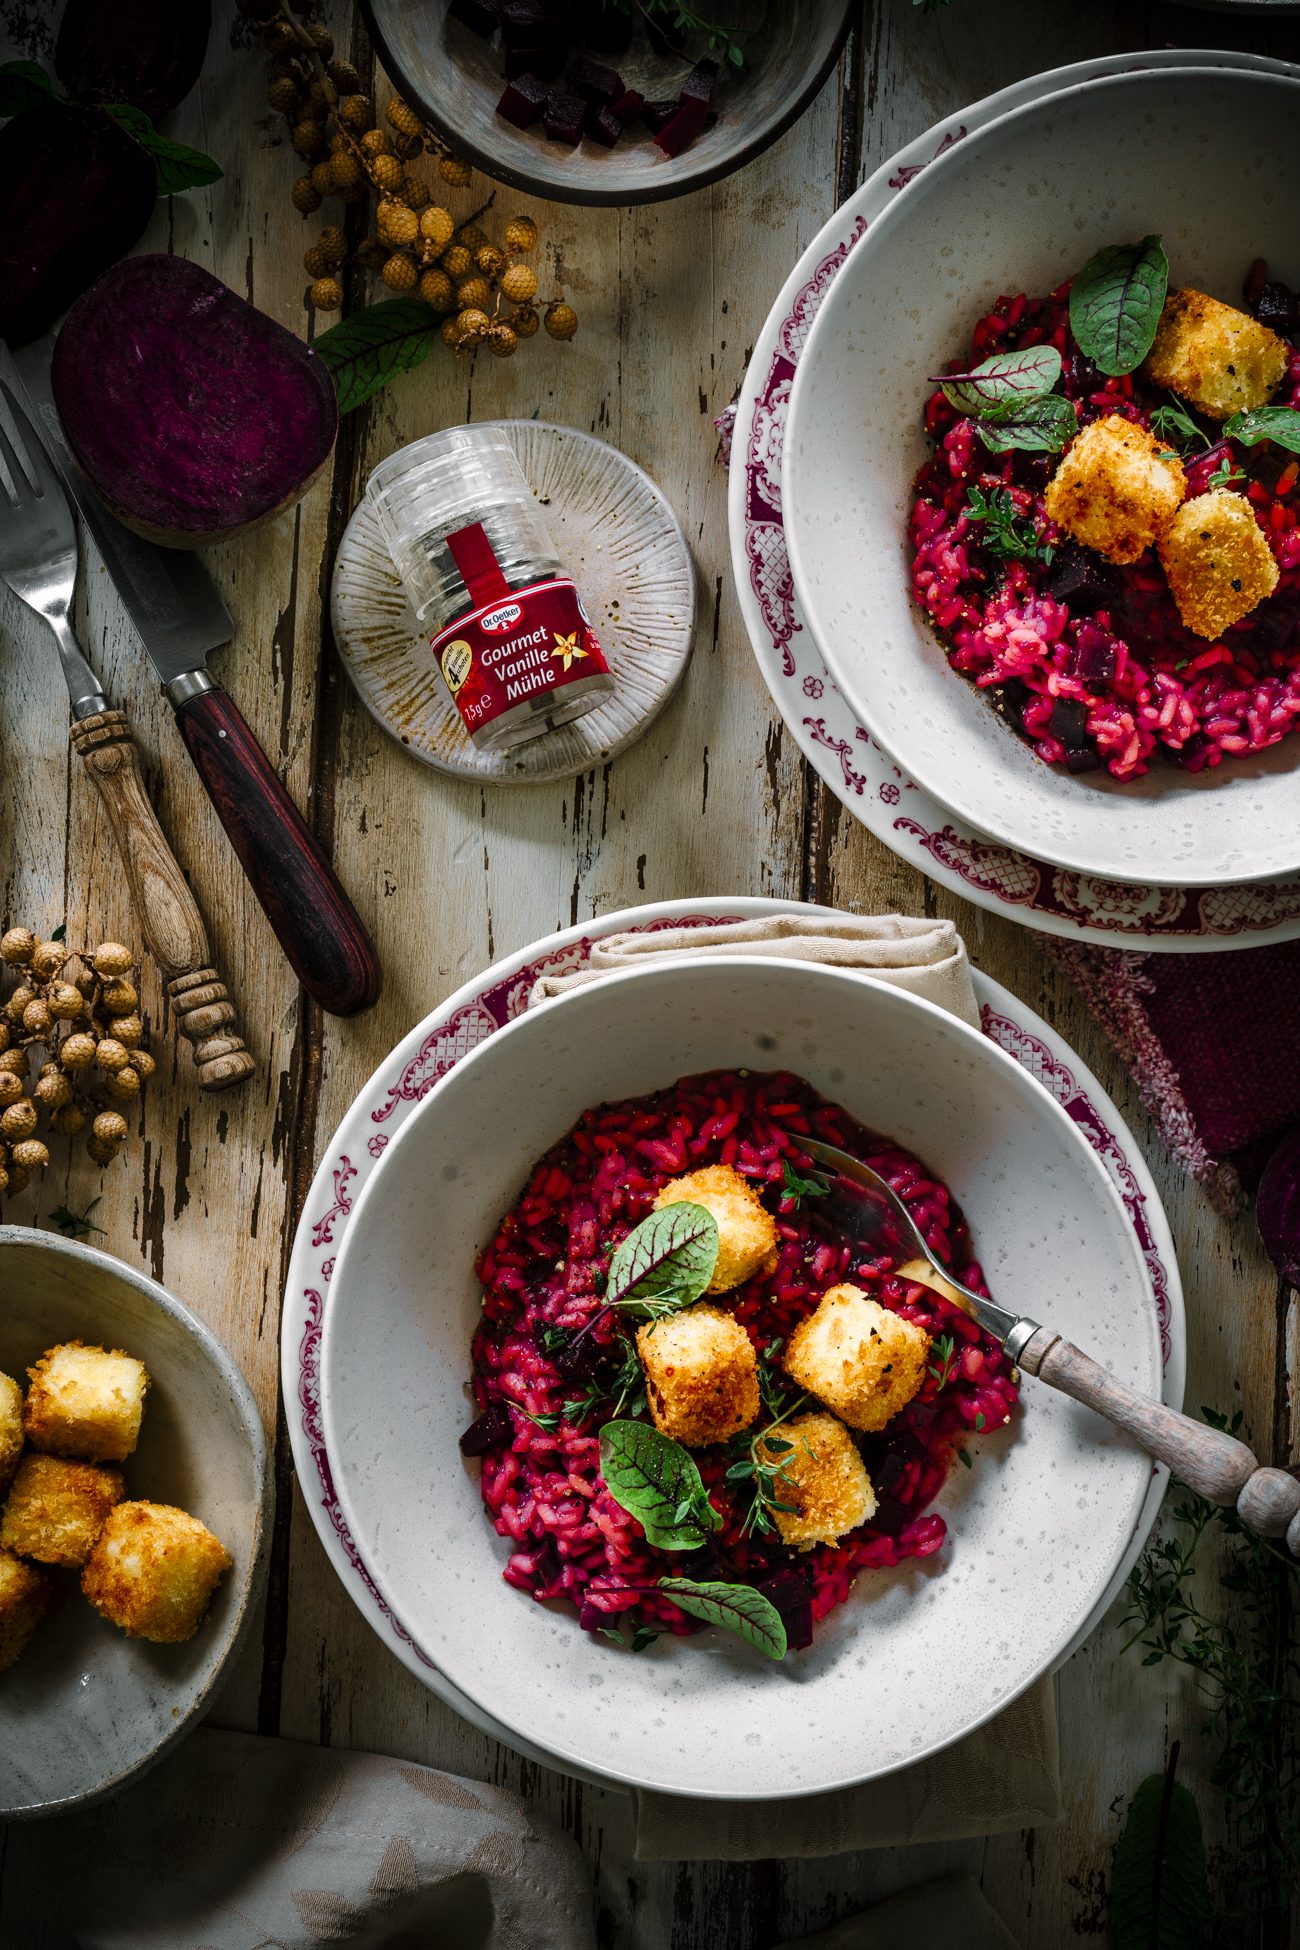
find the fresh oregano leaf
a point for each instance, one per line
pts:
(22, 85)
(1158, 1895)
(367, 350)
(656, 1481)
(664, 1263)
(738, 1608)
(176, 166)
(1004, 381)
(1116, 302)
(1036, 426)
(1277, 423)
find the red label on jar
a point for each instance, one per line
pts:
(523, 643)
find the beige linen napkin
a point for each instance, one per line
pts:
(1006, 1775)
(238, 1843)
(950, 1913)
(927, 957)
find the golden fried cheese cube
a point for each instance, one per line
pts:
(1217, 561)
(25, 1597)
(1215, 357)
(55, 1509)
(859, 1358)
(822, 1475)
(11, 1429)
(701, 1375)
(746, 1229)
(153, 1572)
(1116, 488)
(86, 1402)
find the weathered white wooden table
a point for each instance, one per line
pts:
(448, 876)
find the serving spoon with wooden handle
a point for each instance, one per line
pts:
(1209, 1461)
(38, 560)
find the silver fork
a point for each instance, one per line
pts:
(38, 552)
(38, 560)
(1210, 1461)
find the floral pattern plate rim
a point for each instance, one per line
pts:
(474, 1012)
(860, 772)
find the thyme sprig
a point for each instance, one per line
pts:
(719, 40)
(1006, 533)
(797, 1186)
(762, 1461)
(1247, 1670)
(946, 1349)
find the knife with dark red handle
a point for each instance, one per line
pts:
(315, 923)
(179, 617)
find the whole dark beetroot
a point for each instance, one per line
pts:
(146, 52)
(191, 414)
(75, 193)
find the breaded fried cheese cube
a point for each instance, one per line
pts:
(25, 1597)
(1215, 357)
(11, 1429)
(153, 1572)
(701, 1375)
(55, 1509)
(86, 1402)
(1116, 488)
(746, 1229)
(1217, 561)
(822, 1475)
(859, 1358)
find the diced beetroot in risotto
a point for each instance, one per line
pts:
(547, 1343)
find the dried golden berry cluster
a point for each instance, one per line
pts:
(484, 291)
(71, 1047)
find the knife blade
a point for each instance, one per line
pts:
(172, 602)
(179, 617)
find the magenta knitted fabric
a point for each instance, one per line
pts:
(1214, 1044)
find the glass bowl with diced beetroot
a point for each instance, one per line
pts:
(608, 101)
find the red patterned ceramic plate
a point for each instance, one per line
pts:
(859, 772)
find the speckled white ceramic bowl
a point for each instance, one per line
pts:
(1207, 158)
(85, 1708)
(918, 1656)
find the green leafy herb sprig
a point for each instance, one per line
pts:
(1006, 533)
(656, 1481)
(1115, 304)
(719, 40)
(946, 1349)
(761, 1460)
(1247, 1668)
(797, 1186)
(76, 1225)
(25, 84)
(1010, 398)
(1158, 1894)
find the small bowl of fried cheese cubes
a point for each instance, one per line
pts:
(133, 1487)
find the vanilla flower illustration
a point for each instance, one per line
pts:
(568, 648)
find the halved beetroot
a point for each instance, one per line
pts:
(75, 193)
(192, 414)
(146, 52)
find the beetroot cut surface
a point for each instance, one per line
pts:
(75, 193)
(191, 414)
(146, 52)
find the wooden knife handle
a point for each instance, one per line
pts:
(1208, 1460)
(170, 919)
(315, 922)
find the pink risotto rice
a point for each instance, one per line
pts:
(1093, 664)
(542, 1277)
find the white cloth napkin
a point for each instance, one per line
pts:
(238, 1843)
(1006, 1775)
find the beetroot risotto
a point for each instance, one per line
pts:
(1120, 574)
(792, 1474)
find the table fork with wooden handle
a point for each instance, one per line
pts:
(1208, 1460)
(38, 560)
